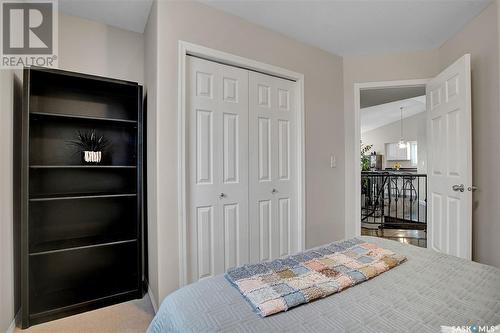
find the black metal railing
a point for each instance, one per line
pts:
(394, 200)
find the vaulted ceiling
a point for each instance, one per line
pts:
(379, 115)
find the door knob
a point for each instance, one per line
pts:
(472, 188)
(458, 188)
(222, 196)
(274, 191)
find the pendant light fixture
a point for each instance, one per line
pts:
(402, 143)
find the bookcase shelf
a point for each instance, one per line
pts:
(77, 244)
(83, 275)
(82, 196)
(81, 225)
(77, 117)
(82, 166)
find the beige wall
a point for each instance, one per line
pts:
(150, 91)
(360, 69)
(84, 46)
(480, 38)
(203, 25)
(7, 308)
(95, 48)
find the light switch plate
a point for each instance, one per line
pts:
(333, 161)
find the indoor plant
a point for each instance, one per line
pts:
(365, 159)
(365, 166)
(91, 145)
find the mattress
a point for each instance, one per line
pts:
(428, 291)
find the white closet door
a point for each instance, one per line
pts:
(272, 167)
(217, 179)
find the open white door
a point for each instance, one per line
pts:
(450, 160)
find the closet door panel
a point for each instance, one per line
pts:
(234, 166)
(217, 179)
(231, 163)
(272, 173)
(264, 142)
(232, 243)
(283, 149)
(242, 178)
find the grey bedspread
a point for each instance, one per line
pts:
(429, 290)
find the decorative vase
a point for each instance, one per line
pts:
(92, 156)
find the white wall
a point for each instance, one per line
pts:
(84, 46)
(201, 24)
(413, 130)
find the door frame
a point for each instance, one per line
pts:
(353, 130)
(185, 49)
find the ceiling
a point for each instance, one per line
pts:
(125, 14)
(377, 96)
(343, 27)
(379, 115)
(352, 27)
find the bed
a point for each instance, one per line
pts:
(428, 291)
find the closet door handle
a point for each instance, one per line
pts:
(274, 191)
(222, 196)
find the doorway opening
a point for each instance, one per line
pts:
(449, 159)
(393, 162)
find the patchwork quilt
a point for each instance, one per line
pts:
(278, 285)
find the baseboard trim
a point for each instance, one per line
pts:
(152, 299)
(12, 326)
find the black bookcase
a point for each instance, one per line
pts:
(81, 224)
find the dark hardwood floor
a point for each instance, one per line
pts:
(414, 237)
